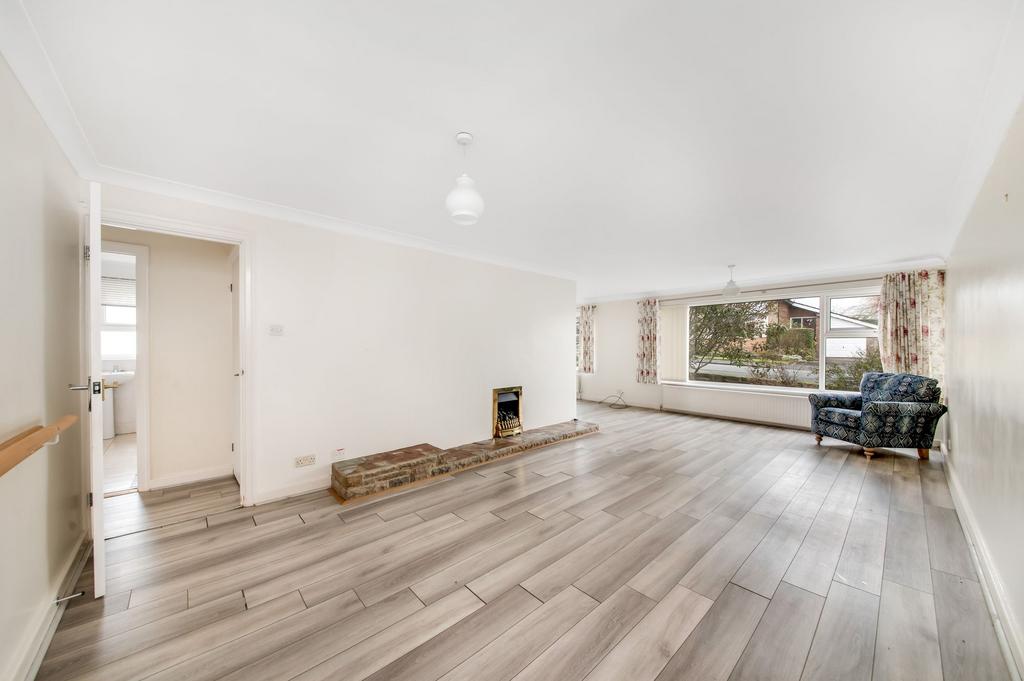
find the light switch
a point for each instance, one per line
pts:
(276, 329)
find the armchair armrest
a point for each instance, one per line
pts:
(840, 400)
(916, 409)
(902, 418)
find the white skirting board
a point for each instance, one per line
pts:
(289, 493)
(191, 476)
(1008, 631)
(49, 617)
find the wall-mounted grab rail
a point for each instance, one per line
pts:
(24, 444)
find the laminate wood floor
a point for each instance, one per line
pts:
(137, 511)
(120, 463)
(663, 547)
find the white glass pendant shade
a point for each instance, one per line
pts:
(731, 289)
(464, 202)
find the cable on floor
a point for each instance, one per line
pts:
(616, 402)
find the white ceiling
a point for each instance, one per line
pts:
(635, 146)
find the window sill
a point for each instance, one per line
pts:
(756, 389)
(740, 388)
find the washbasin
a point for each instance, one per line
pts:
(119, 403)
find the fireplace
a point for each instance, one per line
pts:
(507, 411)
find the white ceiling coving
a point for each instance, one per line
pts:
(634, 146)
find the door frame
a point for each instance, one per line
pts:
(141, 254)
(246, 347)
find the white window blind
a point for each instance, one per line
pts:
(672, 339)
(117, 291)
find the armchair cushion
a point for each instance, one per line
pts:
(840, 417)
(835, 401)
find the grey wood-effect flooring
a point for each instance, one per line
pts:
(665, 547)
(134, 512)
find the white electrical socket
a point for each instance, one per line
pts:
(339, 454)
(308, 460)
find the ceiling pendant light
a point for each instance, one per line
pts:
(731, 289)
(464, 203)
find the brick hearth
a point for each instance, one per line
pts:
(378, 472)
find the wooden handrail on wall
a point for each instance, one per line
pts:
(24, 444)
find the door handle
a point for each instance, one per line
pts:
(95, 387)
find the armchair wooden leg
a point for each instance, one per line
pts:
(818, 439)
(869, 452)
(922, 453)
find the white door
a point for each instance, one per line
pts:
(92, 320)
(236, 363)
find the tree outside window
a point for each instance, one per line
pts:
(752, 342)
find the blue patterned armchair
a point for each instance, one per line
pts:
(892, 410)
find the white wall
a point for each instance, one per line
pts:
(984, 325)
(190, 356)
(41, 519)
(384, 346)
(615, 346)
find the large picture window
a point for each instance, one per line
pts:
(778, 342)
(754, 342)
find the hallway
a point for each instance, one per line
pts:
(120, 464)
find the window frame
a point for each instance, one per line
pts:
(825, 293)
(846, 332)
(802, 325)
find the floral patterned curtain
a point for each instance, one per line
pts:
(647, 350)
(585, 320)
(911, 326)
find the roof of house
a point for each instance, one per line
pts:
(853, 321)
